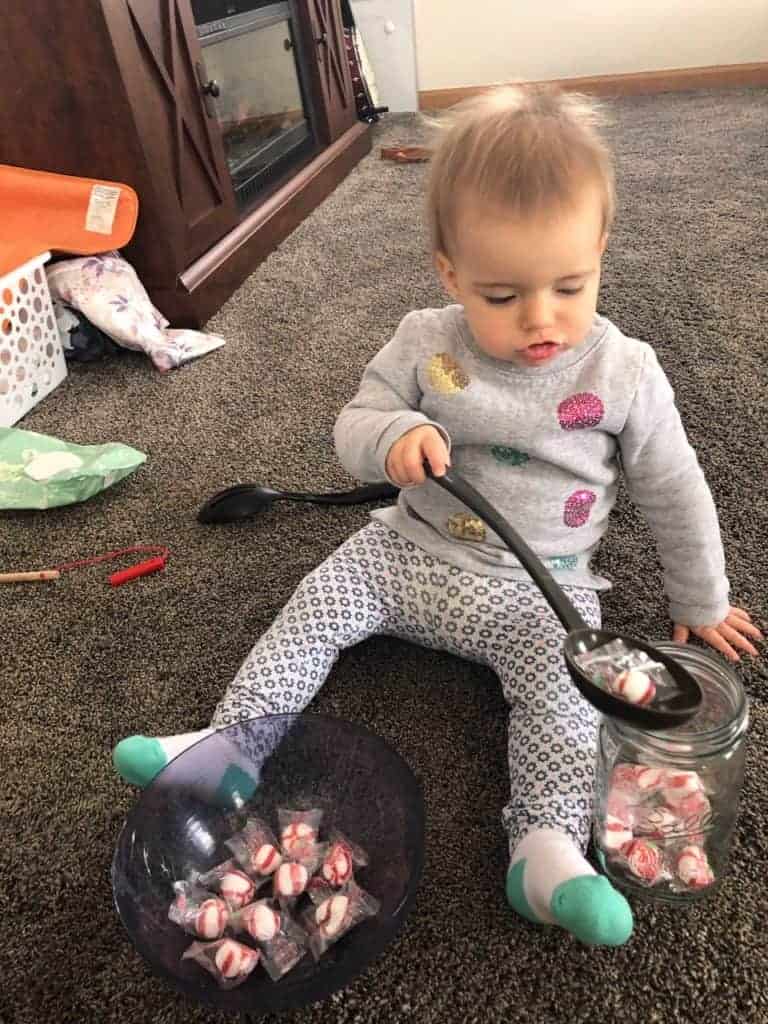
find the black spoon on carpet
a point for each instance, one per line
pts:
(244, 500)
(676, 704)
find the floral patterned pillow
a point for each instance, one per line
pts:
(107, 290)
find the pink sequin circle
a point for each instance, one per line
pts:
(580, 411)
(578, 508)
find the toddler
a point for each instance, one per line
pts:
(540, 402)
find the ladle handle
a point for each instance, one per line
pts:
(542, 577)
(357, 496)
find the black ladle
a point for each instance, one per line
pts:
(666, 710)
(244, 500)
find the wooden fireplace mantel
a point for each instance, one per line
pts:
(110, 89)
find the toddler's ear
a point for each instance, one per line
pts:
(447, 273)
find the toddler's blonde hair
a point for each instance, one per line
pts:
(528, 148)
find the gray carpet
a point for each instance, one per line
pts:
(83, 664)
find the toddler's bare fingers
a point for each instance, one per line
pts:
(396, 466)
(680, 634)
(716, 640)
(413, 466)
(737, 639)
(741, 613)
(436, 453)
(744, 626)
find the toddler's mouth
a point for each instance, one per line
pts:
(541, 351)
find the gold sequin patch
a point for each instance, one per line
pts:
(445, 374)
(463, 526)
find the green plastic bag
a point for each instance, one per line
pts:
(37, 471)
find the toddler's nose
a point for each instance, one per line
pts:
(537, 313)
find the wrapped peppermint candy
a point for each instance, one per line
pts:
(302, 854)
(261, 920)
(696, 815)
(229, 962)
(198, 912)
(650, 779)
(292, 877)
(298, 831)
(616, 834)
(679, 785)
(635, 783)
(626, 672)
(255, 849)
(623, 781)
(618, 805)
(281, 941)
(693, 869)
(341, 858)
(645, 861)
(230, 882)
(634, 686)
(327, 921)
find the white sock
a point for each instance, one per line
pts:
(551, 858)
(175, 745)
(550, 882)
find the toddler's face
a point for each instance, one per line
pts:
(529, 287)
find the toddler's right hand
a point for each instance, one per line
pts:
(405, 461)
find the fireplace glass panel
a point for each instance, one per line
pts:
(260, 106)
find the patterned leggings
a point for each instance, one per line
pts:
(378, 582)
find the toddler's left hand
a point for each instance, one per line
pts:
(732, 632)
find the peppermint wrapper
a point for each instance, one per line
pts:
(341, 858)
(255, 848)
(342, 911)
(627, 672)
(229, 880)
(228, 961)
(282, 942)
(298, 830)
(198, 912)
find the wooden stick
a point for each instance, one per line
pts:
(29, 577)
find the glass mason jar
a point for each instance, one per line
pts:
(666, 801)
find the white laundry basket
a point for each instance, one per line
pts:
(31, 356)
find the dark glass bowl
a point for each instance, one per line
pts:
(365, 790)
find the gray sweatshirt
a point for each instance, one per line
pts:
(545, 445)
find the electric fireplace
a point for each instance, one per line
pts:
(254, 83)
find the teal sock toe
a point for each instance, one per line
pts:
(236, 788)
(592, 910)
(516, 892)
(138, 759)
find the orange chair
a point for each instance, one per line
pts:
(42, 212)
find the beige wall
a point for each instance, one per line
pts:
(486, 41)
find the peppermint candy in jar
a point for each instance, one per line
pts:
(692, 868)
(616, 834)
(680, 785)
(644, 861)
